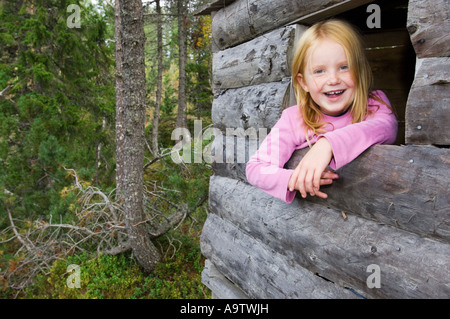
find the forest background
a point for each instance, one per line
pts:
(62, 228)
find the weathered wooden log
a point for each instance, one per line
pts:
(429, 27)
(212, 6)
(231, 153)
(261, 60)
(260, 271)
(257, 106)
(402, 186)
(428, 106)
(220, 286)
(248, 232)
(243, 20)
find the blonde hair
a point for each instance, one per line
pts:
(344, 34)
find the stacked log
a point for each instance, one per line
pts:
(271, 249)
(388, 212)
(427, 116)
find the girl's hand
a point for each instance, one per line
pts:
(311, 172)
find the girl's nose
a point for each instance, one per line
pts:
(333, 78)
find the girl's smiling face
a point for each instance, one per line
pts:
(327, 77)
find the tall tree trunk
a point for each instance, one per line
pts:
(159, 80)
(119, 103)
(99, 152)
(133, 68)
(182, 56)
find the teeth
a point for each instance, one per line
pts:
(334, 92)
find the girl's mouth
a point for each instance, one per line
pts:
(334, 93)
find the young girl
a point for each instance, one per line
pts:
(336, 115)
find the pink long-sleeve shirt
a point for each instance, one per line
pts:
(265, 168)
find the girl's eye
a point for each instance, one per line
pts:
(344, 67)
(318, 71)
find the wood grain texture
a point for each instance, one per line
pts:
(429, 27)
(258, 241)
(259, 270)
(402, 186)
(394, 198)
(261, 60)
(221, 287)
(257, 106)
(243, 20)
(428, 106)
(392, 60)
(212, 6)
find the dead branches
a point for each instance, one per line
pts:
(96, 226)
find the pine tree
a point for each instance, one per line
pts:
(182, 60)
(159, 80)
(57, 87)
(133, 70)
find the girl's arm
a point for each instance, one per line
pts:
(349, 142)
(265, 169)
(311, 172)
(336, 148)
(341, 146)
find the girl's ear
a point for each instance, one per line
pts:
(302, 82)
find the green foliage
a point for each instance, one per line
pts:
(189, 182)
(119, 277)
(60, 88)
(178, 277)
(198, 70)
(189, 189)
(58, 112)
(169, 100)
(100, 278)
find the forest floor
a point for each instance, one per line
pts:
(177, 276)
(102, 276)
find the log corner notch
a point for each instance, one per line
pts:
(427, 116)
(427, 111)
(390, 207)
(428, 26)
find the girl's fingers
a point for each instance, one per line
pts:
(326, 181)
(301, 183)
(316, 181)
(309, 182)
(321, 194)
(327, 174)
(306, 182)
(328, 177)
(293, 180)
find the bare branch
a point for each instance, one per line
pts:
(157, 159)
(119, 249)
(98, 226)
(5, 91)
(172, 221)
(26, 243)
(68, 226)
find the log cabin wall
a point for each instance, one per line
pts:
(390, 208)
